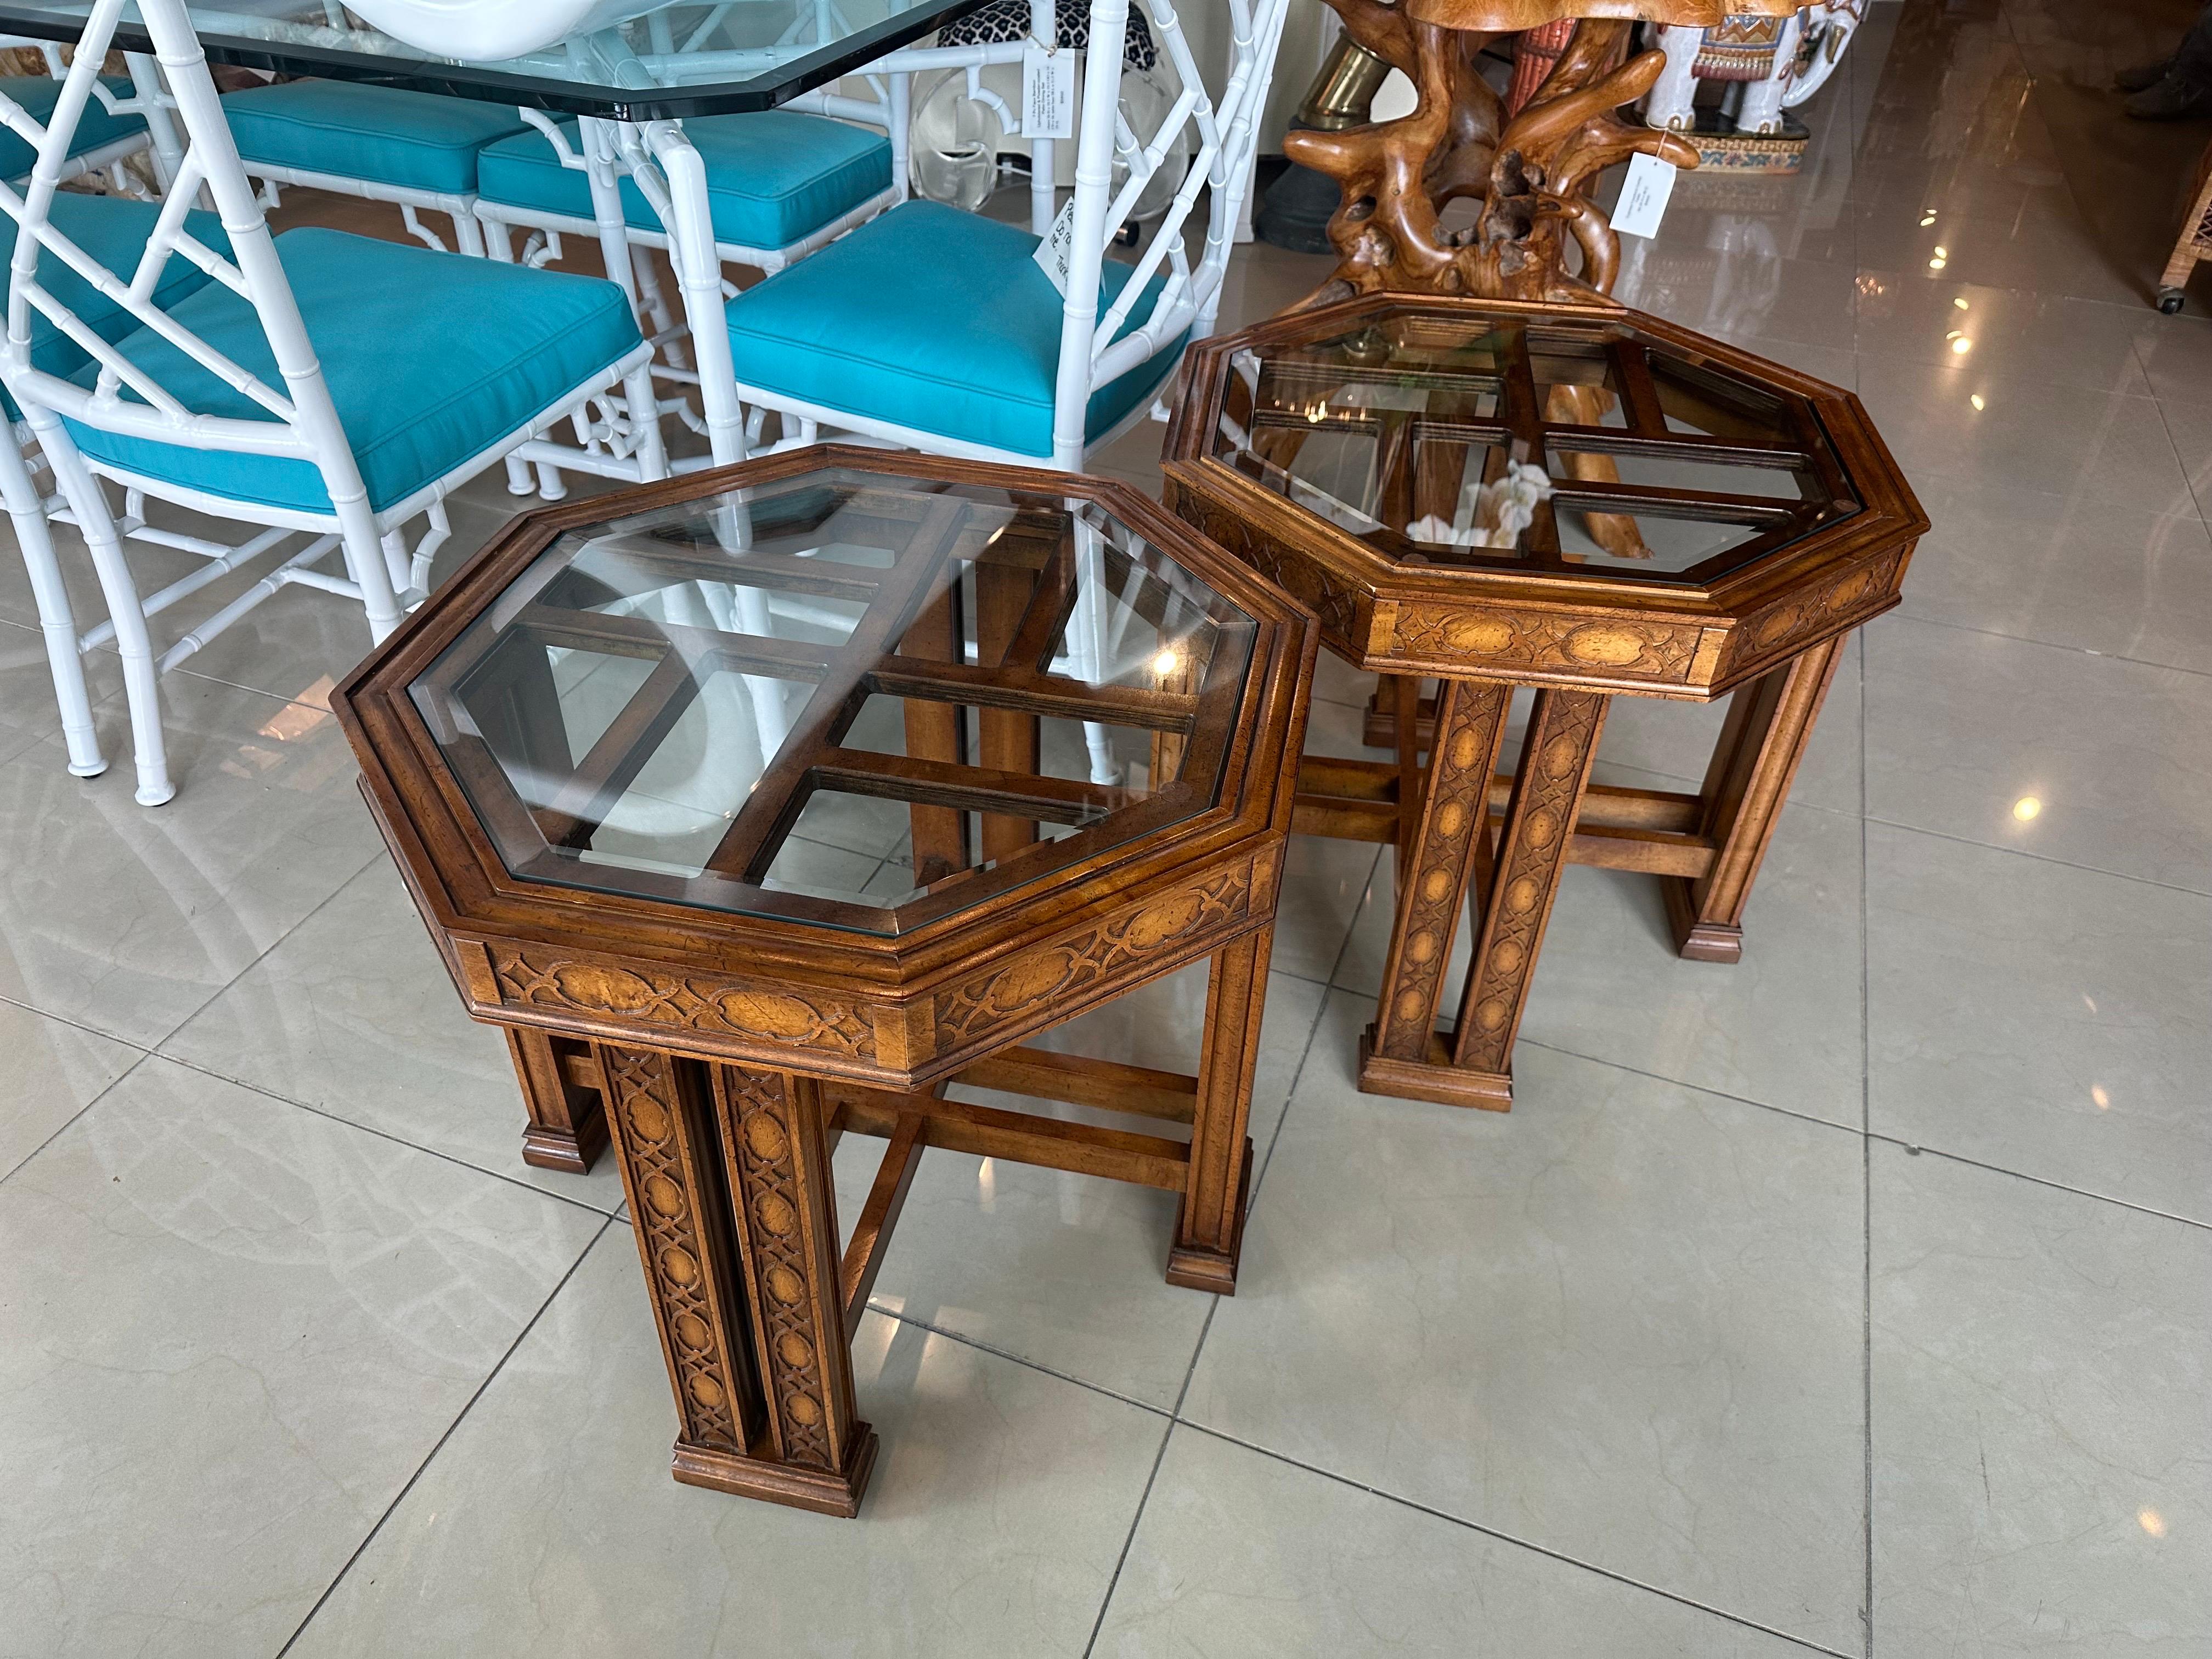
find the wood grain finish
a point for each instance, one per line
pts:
(1763, 619)
(1529, 171)
(566, 1127)
(1438, 863)
(670, 1156)
(726, 1052)
(1769, 723)
(1210, 1224)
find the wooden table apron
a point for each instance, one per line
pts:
(724, 1073)
(1466, 833)
(1461, 828)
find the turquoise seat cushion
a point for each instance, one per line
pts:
(113, 231)
(38, 95)
(430, 358)
(772, 179)
(935, 320)
(384, 134)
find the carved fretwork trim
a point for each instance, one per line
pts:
(1029, 987)
(773, 1016)
(667, 1175)
(1459, 640)
(799, 1323)
(1563, 733)
(1470, 722)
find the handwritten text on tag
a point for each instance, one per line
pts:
(1058, 249)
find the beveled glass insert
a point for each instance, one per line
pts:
(638, 62)
(843, 698)
(1411, 430)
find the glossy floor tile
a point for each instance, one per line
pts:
(2041, 1019)
(57, 1071)
(353, 1014)
(1241, 1554)
(1850, 1300)
(230, 1331)
(129, 921)
(1622, 1323)
(2094, 761)
(2042, 1456)
(2064, 570)
(548, 1524)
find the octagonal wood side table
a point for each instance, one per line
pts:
(622, 762)
(1708, 521)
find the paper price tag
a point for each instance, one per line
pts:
(1058, 249)
(1048, 93)
(1643, 196)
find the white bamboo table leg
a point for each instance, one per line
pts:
(699, 270)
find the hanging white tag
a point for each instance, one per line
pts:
(1048, 93)
(1643, 196)
(1055, 252)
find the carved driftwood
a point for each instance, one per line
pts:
(1529, 171)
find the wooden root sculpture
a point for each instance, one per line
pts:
(1529, 173)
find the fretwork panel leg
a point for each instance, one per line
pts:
(1769, 723)
(784, 1204)
(566, 1125)
(1210, 1225)
(664, 1131)
(1540, 823)
(1433, 872)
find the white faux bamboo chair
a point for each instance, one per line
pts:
(127, 117)
(404, 373)
(933, 329)
(416, 150)
(936, 330)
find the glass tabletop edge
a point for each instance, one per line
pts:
(768, 90)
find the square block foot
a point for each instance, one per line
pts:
(1427, 1080)
(781, 1483)
(1696, 940)
(1194, 1268)
(561, 1149)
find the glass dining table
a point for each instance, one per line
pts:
(630, 71)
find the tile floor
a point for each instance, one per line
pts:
(1854, 1300)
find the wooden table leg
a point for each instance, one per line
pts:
(1210, 1224)
(1532, 851)
(1547, 790)
(726, 1170)
(1401, 1054)
(1769, 723)
(567, 1126)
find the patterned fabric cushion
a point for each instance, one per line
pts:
(1009, 20)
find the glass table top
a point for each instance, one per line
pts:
(854, 699)
(626, 60)
(1550, 444)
